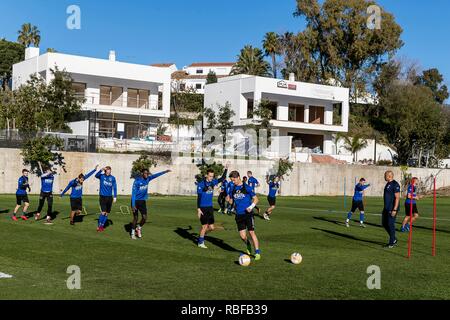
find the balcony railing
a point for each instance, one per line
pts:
(107, 100)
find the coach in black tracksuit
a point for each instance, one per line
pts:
(391, 206)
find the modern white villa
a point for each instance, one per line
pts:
(123, 100)
(309, 113)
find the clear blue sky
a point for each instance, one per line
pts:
(185, 31)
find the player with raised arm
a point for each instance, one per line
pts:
(139, 197)
(108, 189)
(205, 209)
(358, 203)
(245, 200)
(22, 196)
(47, 180)
(223, 196)
(76, 196)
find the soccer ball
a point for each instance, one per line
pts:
(296, 258)
(244, 260)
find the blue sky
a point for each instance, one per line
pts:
(185, 31)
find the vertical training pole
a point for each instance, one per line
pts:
(410, 220)
(345, 192)
(434, 217)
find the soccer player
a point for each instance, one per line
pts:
(274, 186)
(245, 200)
(222, 197)
(205, 210)
(139, 197)
(391, 205)
(357, 203)
(76, 196)
(47, 179)
(411, 198)
(22, 196)
(253, 182)
(108, 187)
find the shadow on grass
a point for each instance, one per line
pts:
(108, 223)
(4, 211)
(350, 237)
(193, 237)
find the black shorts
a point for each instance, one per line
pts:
(22, 198)
(141, 206)
(76, 204)
(45, 195)
(245, 222)
(408, 209)
(272, 201)
(106, 204)
(357, 205)
(208, 216)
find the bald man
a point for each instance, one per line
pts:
(391, 206)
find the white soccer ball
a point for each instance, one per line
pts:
(244, 260)
(296, 258)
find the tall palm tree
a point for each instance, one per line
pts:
(354, 144)
(29, 35)
(251, 61)
(272, 47)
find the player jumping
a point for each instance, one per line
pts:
(274, 186)
(139, 197)
(205, 210)
(357, 203)
(22, 196)
(108, 186)
(245, 200)
(411, 197)
(76, 196)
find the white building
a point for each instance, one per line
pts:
(123, 100)
(309, 113)
(193, 77)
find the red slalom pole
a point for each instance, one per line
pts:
(410, 221)
(434, 218)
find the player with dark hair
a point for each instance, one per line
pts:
(47, 179)
(357, 203)
(76, 196)
(108, 188)
(274, 186)
(139, 197)
(245, 200)
(22, 196)
(411, 200)
(205, 210)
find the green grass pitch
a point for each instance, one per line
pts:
(166, 264)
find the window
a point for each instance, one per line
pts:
(198, 86)
(160, 100)
(250, 108)
(138, 98)
(182, 87)
(316, 115)
(337, 114)
(199, 71)
(273, 106)
(111, 96)
(296, 112)
(79, 89)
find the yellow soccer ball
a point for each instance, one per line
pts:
(244, 260)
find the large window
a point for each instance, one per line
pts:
(138, 98)
(250, 108)
(316, 115)
(79, 89)
(111, 96)
(273, 106)
(296, 112)
(337, 114)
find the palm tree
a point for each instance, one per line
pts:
(251, 61)
(272, 47)
(28, 35)
(354, 145)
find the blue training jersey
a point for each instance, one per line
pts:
(359, 191)
(108, 185)
(390, 190)
(224, 186)
(47, 180)
(252, 182)
(77, 187)
(411, 191)
(205, 191)
(140, 187)
(273, 189)
(242, 196)
(22, 186)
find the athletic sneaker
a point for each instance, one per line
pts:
(402, 229)
(362, 225)
(139, 232)
(202, 245)
(133, 237)
(347, 224)
(257, 257)
(220, 211)
(408, 227)
(100, 229)
(266, 217)
(24, 218)
(37, 216)
(14, 218)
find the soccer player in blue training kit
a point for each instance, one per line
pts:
(245, 200)
(205, 209)
(22, 196)
(108, 187)
(139, 197)
(357, 203)
(47, 179)
(76, 196)
(223, 196)
(391, 205)
(253, 182)
(274, 186)
(230, 205)
(411, 200)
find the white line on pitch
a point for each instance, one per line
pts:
(5, 276)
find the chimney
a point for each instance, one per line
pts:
(291, 76)
(31, 52)
(112, 55)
